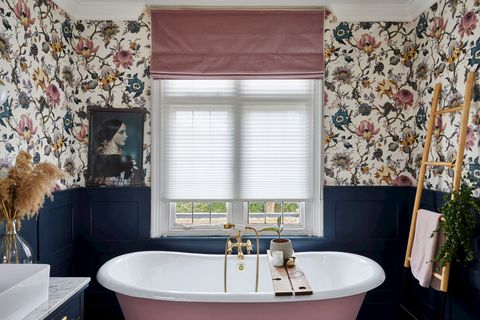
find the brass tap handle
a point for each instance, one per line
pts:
(249, 246)
(239, 245)
(229, 247)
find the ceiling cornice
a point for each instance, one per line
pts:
(101, 10)
(128, 10)
(381, 12)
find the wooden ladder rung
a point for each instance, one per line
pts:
(437, 275)
(436, 163)
(449, 110)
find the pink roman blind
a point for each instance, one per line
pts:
(192, 44)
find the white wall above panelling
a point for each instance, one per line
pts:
(345, 10)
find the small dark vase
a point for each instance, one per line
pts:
(13, 248)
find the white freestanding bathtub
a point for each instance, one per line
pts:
(185, 286)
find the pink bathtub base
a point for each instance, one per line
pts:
(331, 309)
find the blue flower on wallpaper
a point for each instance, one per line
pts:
(136, 86)
(341, 118)
(133, 26)
(67, 30)
(421, 118)
(5, 112)
(342, 32)
(24, 100)
(68, 121)
(475, 53)
(421, 26)
(474, 169)
(36, 158)
(9, 147)
(365, 109)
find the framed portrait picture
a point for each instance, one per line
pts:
(115, 147)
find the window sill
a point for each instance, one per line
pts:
(224, 237)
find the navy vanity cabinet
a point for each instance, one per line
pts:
(72, 309)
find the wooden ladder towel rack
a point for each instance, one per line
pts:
(457, 165)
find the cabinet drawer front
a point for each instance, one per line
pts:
(70, 310)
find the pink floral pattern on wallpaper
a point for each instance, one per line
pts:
(447, 36)
(54, 68)
(371, 137)
(378, 85)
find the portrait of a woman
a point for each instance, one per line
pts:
(111, 137)
(112, 157)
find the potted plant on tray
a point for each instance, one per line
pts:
(280, 244)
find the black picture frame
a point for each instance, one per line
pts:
(115, 147)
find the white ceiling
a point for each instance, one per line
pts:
(345, 10)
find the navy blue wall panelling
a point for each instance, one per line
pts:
(363, 220)
(57, 233)
(93, 225)
(464, 285)
(29, 231)
(370, 221)
(51, 233)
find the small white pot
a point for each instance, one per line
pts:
(284, 245)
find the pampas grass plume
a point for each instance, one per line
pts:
(23, 191)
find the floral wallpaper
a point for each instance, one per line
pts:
(448, 46)
(379, 80)
(55, 68)
(378, 89)
(35, 57)
(372, 133)
(113, 71)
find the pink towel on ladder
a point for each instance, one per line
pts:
(424, 246)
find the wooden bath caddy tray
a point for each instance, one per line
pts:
(288, 281)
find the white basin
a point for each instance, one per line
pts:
(23, 287)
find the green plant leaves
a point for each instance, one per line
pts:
(458, 226)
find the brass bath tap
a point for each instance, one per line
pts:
(229, 246)
(239, 245)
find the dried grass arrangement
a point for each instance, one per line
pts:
(23, 191)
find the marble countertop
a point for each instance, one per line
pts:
(59, 291)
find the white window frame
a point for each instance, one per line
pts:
(162, 218)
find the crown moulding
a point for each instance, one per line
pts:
(348, 10)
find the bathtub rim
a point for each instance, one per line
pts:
(377, 278)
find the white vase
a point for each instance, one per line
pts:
(284, 245)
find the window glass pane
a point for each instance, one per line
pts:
(291, 213)
(201, 212)
(267, 212)
(183, 212)
(256, 212)
(219, 212)
(273, 209)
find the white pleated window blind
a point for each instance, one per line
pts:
(237, 139)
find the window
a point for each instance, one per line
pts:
(240, 151)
